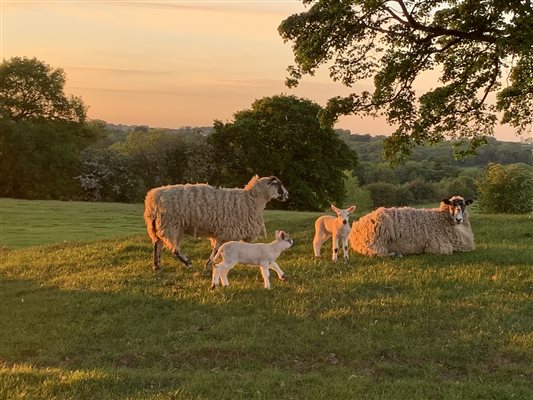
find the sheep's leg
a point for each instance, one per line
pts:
(345, 248)
(318, 241)
(172, 242)
(266, 274)
(183, 258)
(158, 245)
(335, 248)
(209, 264)
(281, 274)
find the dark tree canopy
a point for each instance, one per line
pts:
(479, 47)
(281, 136)
(32, 90)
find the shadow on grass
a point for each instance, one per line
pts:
(63, 343)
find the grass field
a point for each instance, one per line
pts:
(87, 318)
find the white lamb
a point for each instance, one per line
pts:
(263, 255)
(401, 231)
(338, 227)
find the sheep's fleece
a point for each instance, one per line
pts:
(405, 230)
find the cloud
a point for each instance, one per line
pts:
(117, 70)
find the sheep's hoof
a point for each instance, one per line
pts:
(213, 286)
(284, 277)
(156, 268)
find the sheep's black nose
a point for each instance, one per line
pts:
(344, 222)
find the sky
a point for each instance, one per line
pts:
(170, 64)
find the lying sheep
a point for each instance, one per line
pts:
(401, 231)
(263, 255)
(338, 227)
(171, 212)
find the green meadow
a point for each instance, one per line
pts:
(83, 316)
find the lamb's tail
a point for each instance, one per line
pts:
(219, 253)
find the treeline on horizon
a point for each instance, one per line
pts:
(49, 149)
(123, 162)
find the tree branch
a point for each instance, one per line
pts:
(439, 31)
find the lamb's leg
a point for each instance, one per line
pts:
(335, 248)
(158, 245)
(216, 275)
(281, 274)
(318, 241)
(345, 248)
(266, 274)
(224, 275)
(209, 264)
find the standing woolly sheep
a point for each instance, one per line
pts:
(171, 212)
(337, 227)
(405, 230)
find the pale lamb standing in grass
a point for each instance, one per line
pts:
(263, 255)
(337, 227)
(401, 231)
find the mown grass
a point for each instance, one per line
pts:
(91, 320)
(32, 222)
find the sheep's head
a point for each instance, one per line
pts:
(456, 206)
(284, 238)
(343, 215)
(275, 184)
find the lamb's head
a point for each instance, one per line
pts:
(284, 239)
(456, 206)
(343, 215)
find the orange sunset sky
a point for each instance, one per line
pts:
(170, 63)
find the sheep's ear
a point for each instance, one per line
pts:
(352, 209)
(446, 201)
(468, 202)
(282, 235)
(276, 234)
(335, 209)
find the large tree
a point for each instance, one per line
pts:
(282, 136)
(32, 90)
(42, 131)
(478, 47)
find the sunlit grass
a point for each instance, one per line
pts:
(91, 320)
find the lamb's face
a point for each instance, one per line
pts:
(284, 238)
(456, 208)
(343, 215)
(279, 191)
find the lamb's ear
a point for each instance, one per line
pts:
(352, 209)
(468, 202)
(281, 235)
(276, 234)
(335, 209)
(446, 201)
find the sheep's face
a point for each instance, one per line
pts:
(343, 215)
(277, 188)
(284, 238)
(456, 208)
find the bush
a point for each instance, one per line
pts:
(421, 191)
(506, 189)
(462, 185)
(355, 194)
(388, 195)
